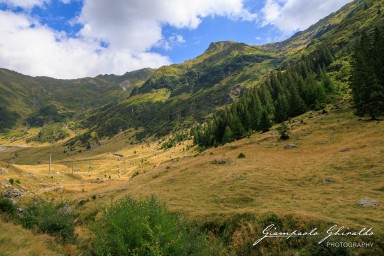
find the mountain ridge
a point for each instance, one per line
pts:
(190, 91)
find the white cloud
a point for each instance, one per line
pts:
(34, 49)
(65, 1)
(293, 15)
(128, 30)
(177, 39)
(173, 40)
(27, 4)
(136, 24)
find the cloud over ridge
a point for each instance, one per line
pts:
(115, 36)
(119, 35)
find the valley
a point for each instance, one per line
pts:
(210, 151)
(336, 161)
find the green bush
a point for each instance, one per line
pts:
(146, 228)
(7, 206)
(283, 131)
(11, 181)
(51, 133)
(51, 218)
(241, 155)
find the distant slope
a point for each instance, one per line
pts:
(178, 95)
(338, 30)
(308, 79)
(30, 98)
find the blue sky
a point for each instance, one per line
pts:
(78, 38)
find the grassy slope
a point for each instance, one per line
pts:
(314, 182)
(16, 241)
(26, 95)
(273, 179)
(270, 178)
(196, 88)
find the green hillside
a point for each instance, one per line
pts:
(176, 96)
(35, 101)
(198, 158)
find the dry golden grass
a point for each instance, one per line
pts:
(338, 161)
(315, 180)
(16, 241)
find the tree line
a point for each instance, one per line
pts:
(367, 80)
(280, 96)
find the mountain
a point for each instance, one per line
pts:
(227, 176)
(41, 100)
(179, 95)
(176, 96)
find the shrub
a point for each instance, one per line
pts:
(47, 217)
(241, 155)
(146, 228)
(11, 181)
(135, 174)
(51, 133)
(7, 206)
(283, 131)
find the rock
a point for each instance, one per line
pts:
(3, 170)
(59, 190)
(56, 172)
(67, 209)
(98, 180)
(20, 210)
(221, 161)
(13, 193)
(327, 180)
(367, 202)
(5, 185)
(345, 150)
(290, 146)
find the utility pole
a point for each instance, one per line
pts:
(50, 160)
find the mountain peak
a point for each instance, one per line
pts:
(218, 46)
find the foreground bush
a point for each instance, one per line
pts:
(6, 206)
(51, 218)
(146, 228)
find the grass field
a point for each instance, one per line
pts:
(336, 161)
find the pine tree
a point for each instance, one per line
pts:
(237, 128)
(255, 109)
(265, 122)
(266, 100)
(296, 103)
(366, 83)
(282, 108)
(228, 135)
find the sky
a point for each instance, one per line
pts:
(84, 38)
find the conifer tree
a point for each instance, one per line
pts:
(282, 108)
(265, 122)
(296, 103)
(228, 135)
(366, 83)
(255, 111)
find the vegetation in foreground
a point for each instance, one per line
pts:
(225, 191)
(146, 227)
